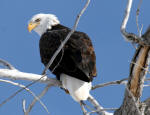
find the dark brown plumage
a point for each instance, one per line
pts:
(76, 59)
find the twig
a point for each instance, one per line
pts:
(146, 85)
(137, 15)
(117, 82)
(88, 107)
(15, 74)
(106, 109)
(96, 105)
(126, 17)
(122, 81)
(35, 100)
(134, 100)
(67, 38)
(147, 79)
(130, 36)
(141, 67)
(24, 105)
(109, 109)
(58, 61)
(102, 110)
(83, 109)
(22, 86)
(8, 65)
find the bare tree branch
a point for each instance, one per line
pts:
(147, 106)
(130, 36)
(138, 71)
(117, 82)
(17, 75)
(137, 18)
(126, 16)
(96, 105)
(134, 101)
(8, 65)
(122, 81)
(83, 109)
(141, 67)
(27, 89)
(35, 99)
(24, 105)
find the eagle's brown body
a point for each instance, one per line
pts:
(76, 59)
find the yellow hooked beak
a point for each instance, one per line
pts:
(31, 26)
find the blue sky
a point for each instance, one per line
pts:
(101, 22)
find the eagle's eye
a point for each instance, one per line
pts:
(38, 20)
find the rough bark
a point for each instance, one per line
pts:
(147, 106)
(138, 70)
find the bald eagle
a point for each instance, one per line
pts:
(75, 65)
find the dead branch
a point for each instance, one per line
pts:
(24, 105)
(137, 19)
(27, 89)
(83, 109)
(131, 103)
(131, 37)
(135, 84)
(35, 99)
(97, 106)
(122, 81)
(147, 106)
(17, 75)
(6, 64)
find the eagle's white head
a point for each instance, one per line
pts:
(41, 22)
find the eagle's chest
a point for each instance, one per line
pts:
(48, 45)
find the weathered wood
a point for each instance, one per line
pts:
(131, 104)
(138, 70)
(147, 108)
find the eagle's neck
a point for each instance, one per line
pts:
(45, 29)
(57, 27)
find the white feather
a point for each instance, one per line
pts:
(78, 89)
(47, 21)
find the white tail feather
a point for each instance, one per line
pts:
(78, 89)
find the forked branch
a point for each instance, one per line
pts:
(138, 70)
(131, 37)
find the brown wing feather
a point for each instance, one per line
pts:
(89, 52)
(82, 45)
(77, 58)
